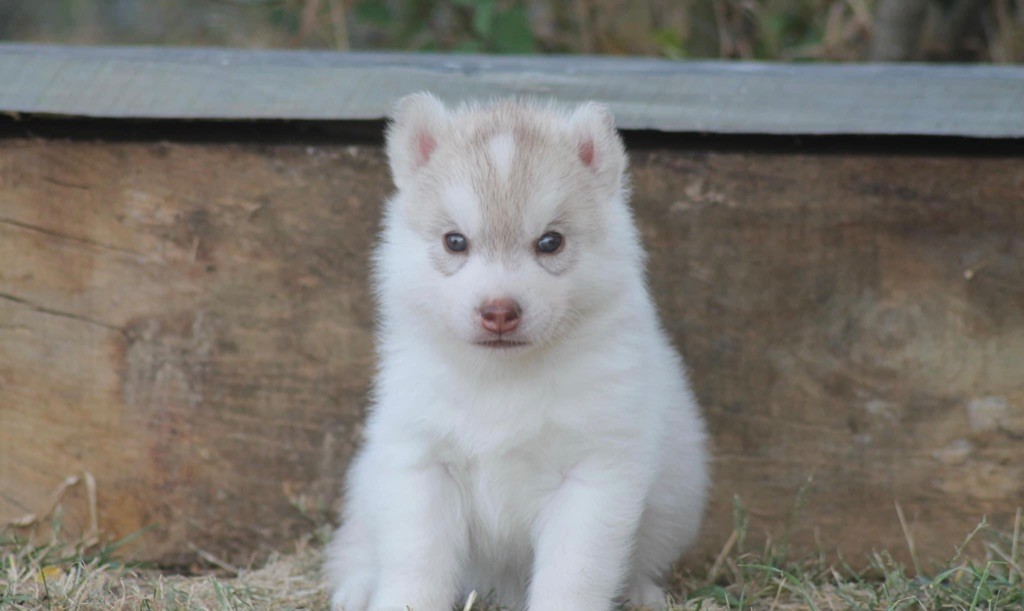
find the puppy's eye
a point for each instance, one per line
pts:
(455, 242)
(550, 243)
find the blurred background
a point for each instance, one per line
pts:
(786, 30)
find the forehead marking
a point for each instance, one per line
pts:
(502, 148)
(463, 205)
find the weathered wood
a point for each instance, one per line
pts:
(191, 325)
(718, 97)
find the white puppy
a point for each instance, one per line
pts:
(533, 436)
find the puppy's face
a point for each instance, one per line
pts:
(504, 213)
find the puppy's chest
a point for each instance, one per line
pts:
(502, 492)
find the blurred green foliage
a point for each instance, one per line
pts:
(841, 30)
(475, 26)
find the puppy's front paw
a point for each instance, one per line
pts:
(353, 594)
(645, 594)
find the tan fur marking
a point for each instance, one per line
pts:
(523, 163)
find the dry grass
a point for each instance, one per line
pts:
(56, 577)
(989, 577)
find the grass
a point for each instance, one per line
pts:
(60, 576)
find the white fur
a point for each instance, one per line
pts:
(558, 476)
(502, 148)
(462, 204)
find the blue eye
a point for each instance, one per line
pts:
(455, 242)
(550, 243)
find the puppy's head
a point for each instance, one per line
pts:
(509, 228)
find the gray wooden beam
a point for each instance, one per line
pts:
(712, 97)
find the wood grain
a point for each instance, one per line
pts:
(191, 325)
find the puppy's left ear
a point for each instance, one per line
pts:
(598, 145)
(419, 122)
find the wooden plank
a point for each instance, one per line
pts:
(191, 325)
(711, 97)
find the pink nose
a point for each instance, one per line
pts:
(500, 315)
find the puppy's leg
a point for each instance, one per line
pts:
(422, 540)
(351, 565)
(584, 542)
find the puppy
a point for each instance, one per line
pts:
(533, 436)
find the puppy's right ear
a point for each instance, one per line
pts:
(418, 123)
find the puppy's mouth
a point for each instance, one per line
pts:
(500, 343)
